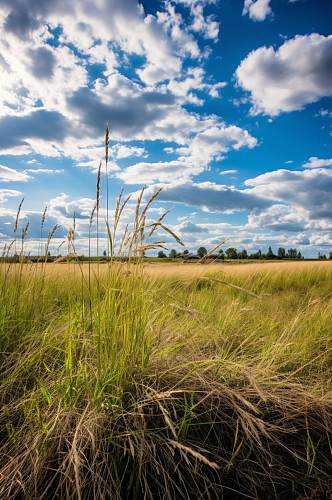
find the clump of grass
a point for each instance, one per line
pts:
(116, 384)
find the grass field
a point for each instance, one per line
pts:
(166, 381)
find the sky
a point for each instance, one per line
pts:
(224, 104)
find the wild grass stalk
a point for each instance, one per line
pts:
(89, 264)
(106, 178)
(42, 223)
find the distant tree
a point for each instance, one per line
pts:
(330, 255)
(186, 252)
(221, 254)
(161, 255)
(292, 253)
(299, 255)
(321, 256)
(243, 254)
(270, 254)
(281, 253)
(173, 254)
(231, 253)
(104, 253)
(256, 255)
(201, 252)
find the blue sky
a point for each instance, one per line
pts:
(225, 104)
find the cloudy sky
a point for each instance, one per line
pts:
(225, 104)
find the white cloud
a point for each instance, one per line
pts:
(121, 151)
(133, 111)
(5, 194)
(315, 162)
(194, 80)
(7, 222)
(62, 208)
(288, 78)
(279, 218)
(325, 112)
(28, 60)
(54, 109)
(258, 10)
(228, 172)
(210, 196)
(190, 227)
(207, 26)
(37, 74)
(308, 190)
(204, 147)
(46, 171)
(11, 175)
(321, 240)
(148, 173)
(161, 39)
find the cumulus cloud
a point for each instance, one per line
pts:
(62, 207)
(211, 197)
(18, 130)
(121, 151)
(325, 113)
(190, 227)
(286, 79)
(129, 113)
(206, 25)
(215, 141)
(5, 194)
(309, 190)
(50, 95)
(315, 162)
(27, 64)
(209, 145)
(133, 112)
(43, 63)
(279, 218)
(192, 81)
(11, 175)
(258, 10)
(7, 223)
(228, 172)
(161, 39)
(46, 171)
(150, 172)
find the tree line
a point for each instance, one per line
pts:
(233, 253)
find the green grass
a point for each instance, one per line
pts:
(140, 387)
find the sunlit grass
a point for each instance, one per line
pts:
(167, 384)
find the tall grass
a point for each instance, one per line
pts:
(114, 384)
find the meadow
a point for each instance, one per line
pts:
(150, 381)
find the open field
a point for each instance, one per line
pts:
(166, 380)
(168, 269)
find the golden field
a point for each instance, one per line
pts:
(166, 380)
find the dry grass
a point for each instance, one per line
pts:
(184, 270)
(182, 386)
